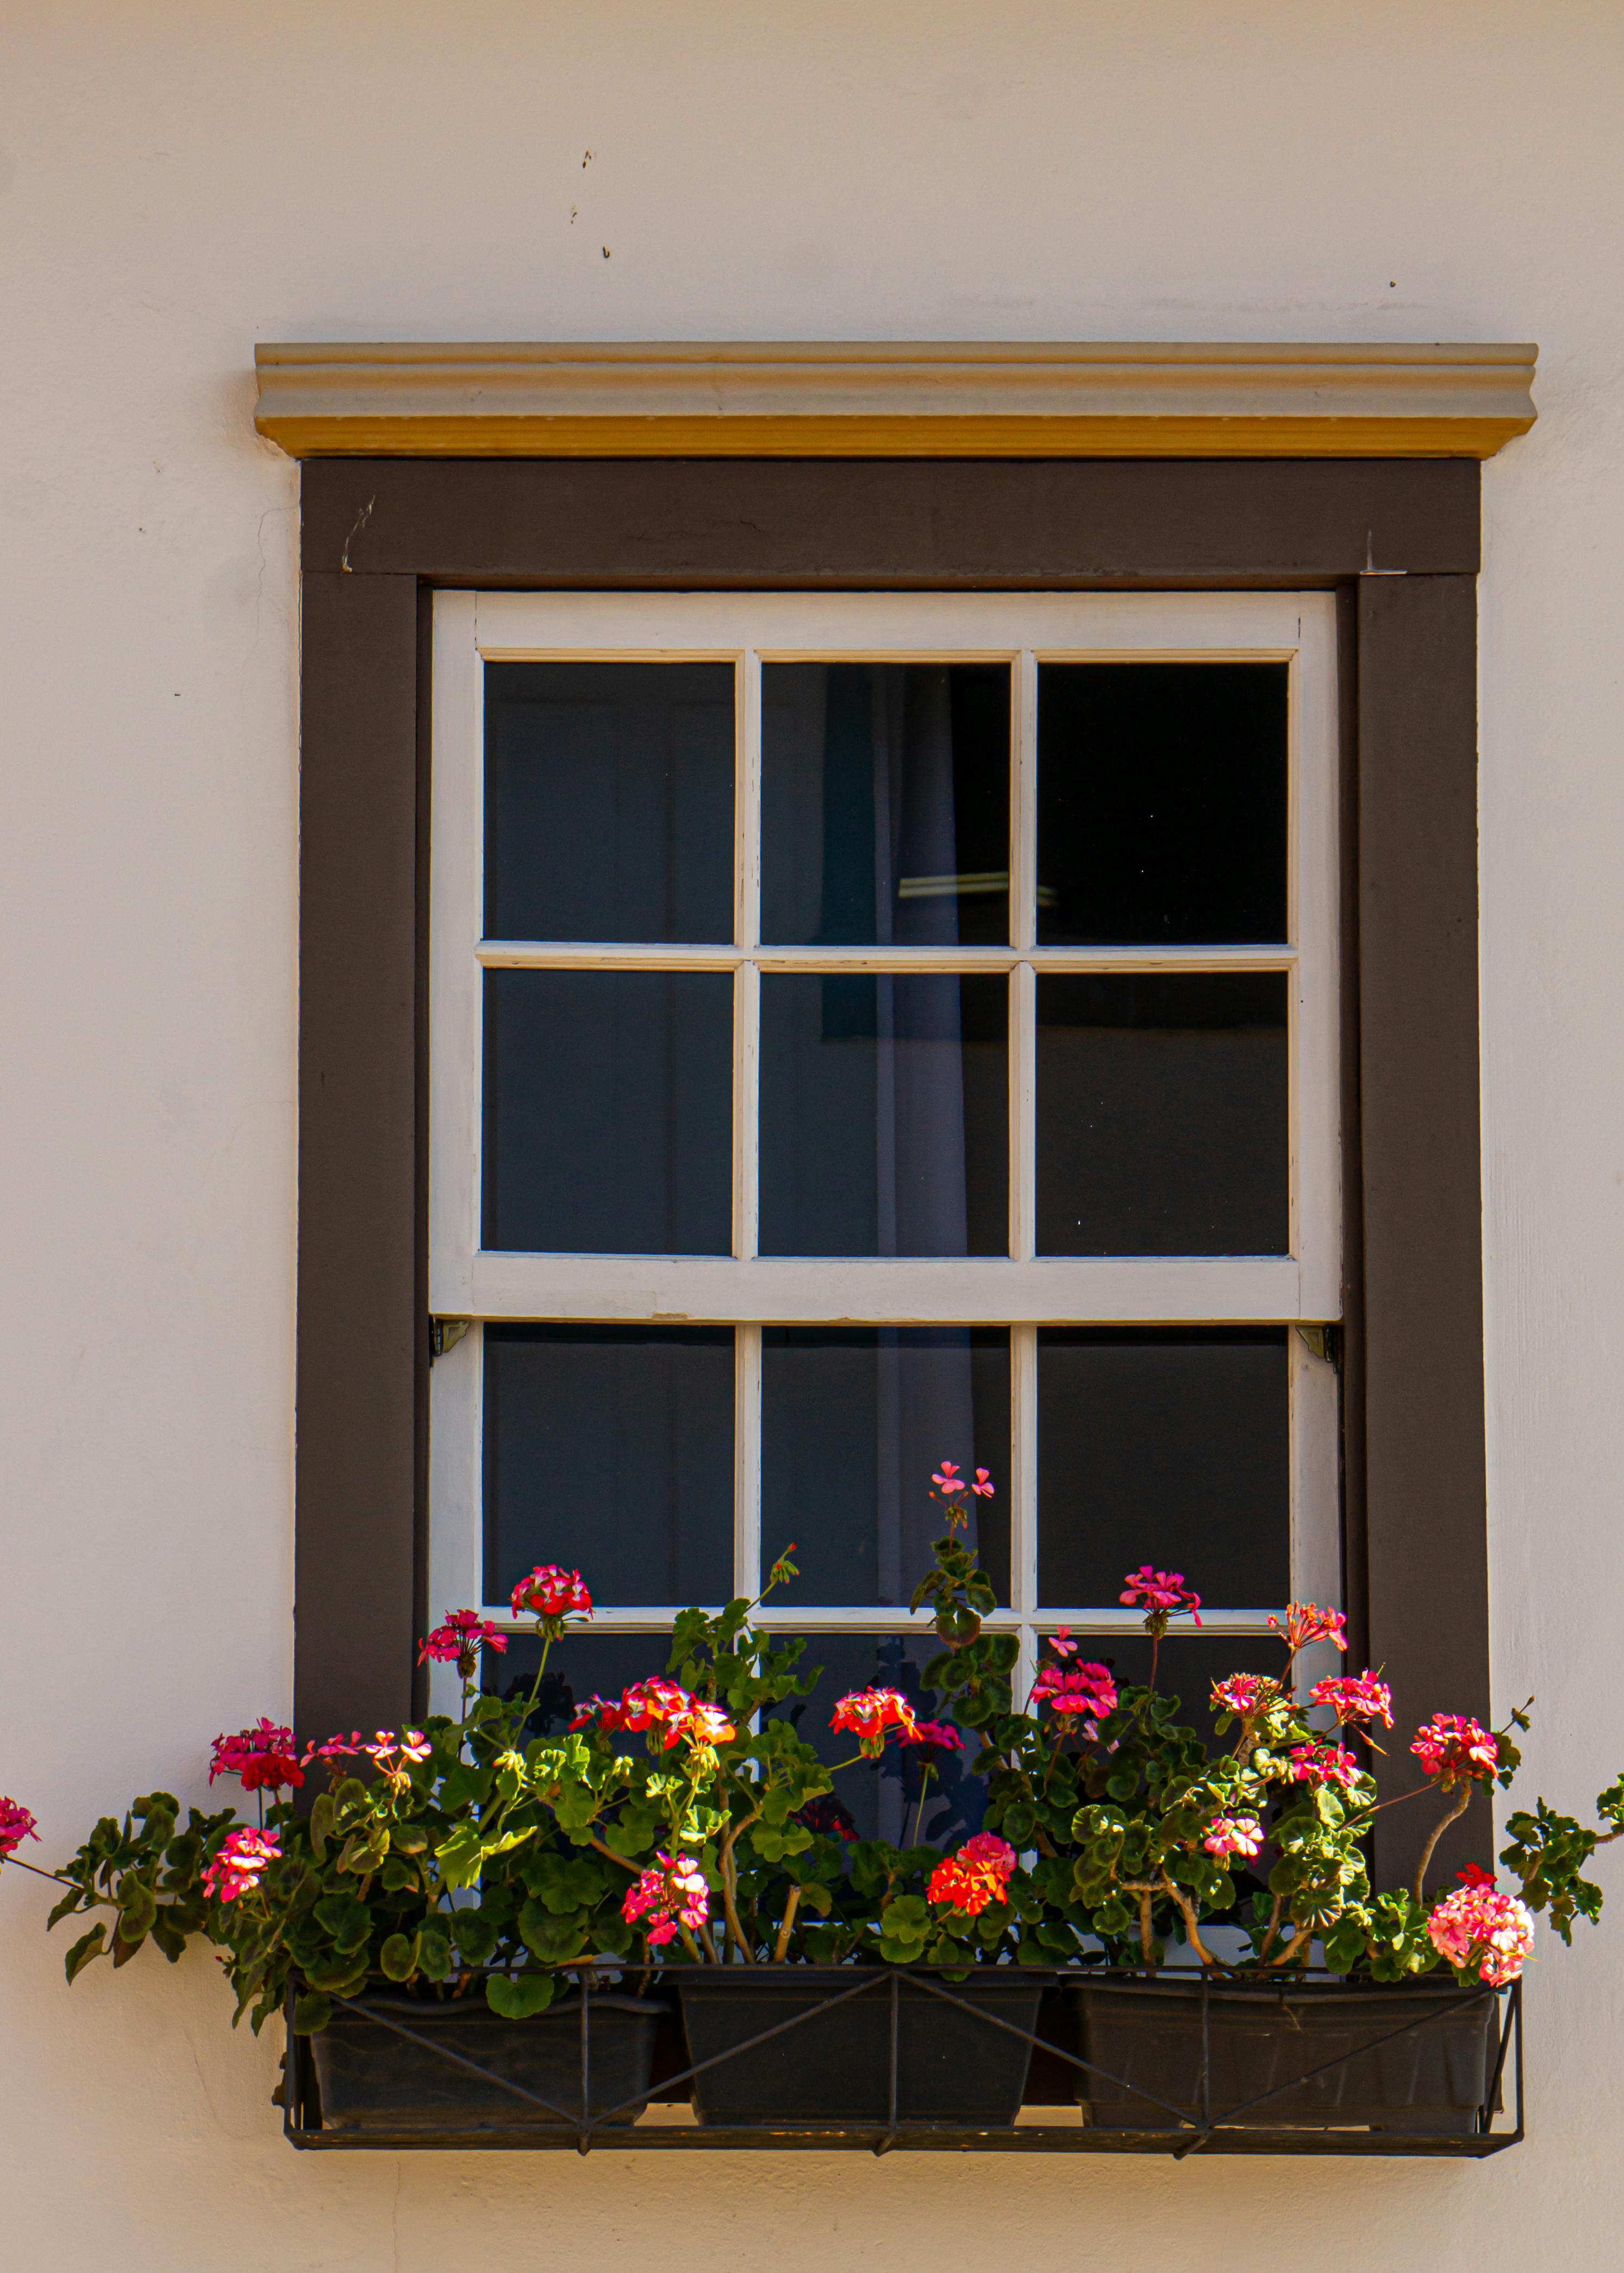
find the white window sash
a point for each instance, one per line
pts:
(1022, 1290)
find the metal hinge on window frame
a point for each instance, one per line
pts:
(445, 1334)
(1323, 1342)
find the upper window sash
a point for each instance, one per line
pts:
(1023, 630)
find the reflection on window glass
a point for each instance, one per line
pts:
(609, 1112)
(611, 1447)
(1167, 1446)
(608, 800)
(853, 1421)
(885, 1115)
(891, 1798)
(1161, 803)
(1161, 1115)
(885, 803)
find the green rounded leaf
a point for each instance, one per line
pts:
(396, 1958)
(516, 1997)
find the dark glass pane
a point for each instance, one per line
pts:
(608, 800)
(1161, 1115)
(579, 1666)
(885, 1115)
(854, 1419)
(885, 803)
(1160, 802)
(1164, 1445)
(883, 1795)
(609, 1112)
(610, 1447)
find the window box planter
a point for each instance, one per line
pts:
(1319, 2055)
(395, 2064)
(807, 2044)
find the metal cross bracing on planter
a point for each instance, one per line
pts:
(882, 2058)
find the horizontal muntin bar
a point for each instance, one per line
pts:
(617, 955)
(886, 1290)
(882, 1619)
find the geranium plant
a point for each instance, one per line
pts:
(689, 1822)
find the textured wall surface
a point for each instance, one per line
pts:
(179, 180)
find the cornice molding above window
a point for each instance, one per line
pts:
(893, 399)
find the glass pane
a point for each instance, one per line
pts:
(885, 1115)
(578, 1666)
(1160, 802)
(853, 1420)
(882, 1797)
(885, 803)
(1161, 1115)
(609, 1112)
(610, 1447)
(608, 800)
(1164, 1445)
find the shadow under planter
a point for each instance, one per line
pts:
(1322, 2055)
(394, 2064)
(882, 2049)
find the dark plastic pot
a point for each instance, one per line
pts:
(370, 2079)
(954, 2070)
(1431, 2075)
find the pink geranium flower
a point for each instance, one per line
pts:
(868, 1712)
(1322, 1764)
(934, 1738)
(1478, 1928)
(266, 1759)
(946, 1478)
(1247, 1695)
(334, 1749)
(1068, 1690)
(1356, 1697)
(459, 1640)
(1455, 1749)
(243, 1860)
(16, 1825)
(552, 1594)
(1234, 1834)
(978, 1874)
(1306, 1624)
(1162, 1593)
(672, 1894)
(984, 1487)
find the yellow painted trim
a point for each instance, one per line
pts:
(880, 399)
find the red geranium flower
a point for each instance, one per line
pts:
(1455, 1749)
(976, 1875)
(869, 1713)
(266, 1758)
(550, 1591)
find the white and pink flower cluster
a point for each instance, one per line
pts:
(1478, 1928)
(672, 1895)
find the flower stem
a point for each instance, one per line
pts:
(1439, 1828)
(781, 1948)
(925, 1774)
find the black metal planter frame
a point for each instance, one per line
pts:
(1218, 2130)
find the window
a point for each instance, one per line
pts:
(871, 1028)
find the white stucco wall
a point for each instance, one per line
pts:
(177, 180)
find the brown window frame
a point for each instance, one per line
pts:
(1397, 540)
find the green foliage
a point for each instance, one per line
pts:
(1547, 1852)
(501, 1855)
